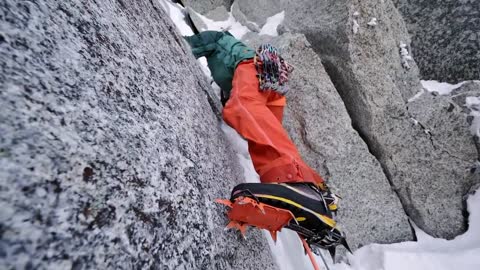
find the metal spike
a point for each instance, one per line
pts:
(345, 244)
(224, 202)
(231, 224)
(332, 250)
(243, 230)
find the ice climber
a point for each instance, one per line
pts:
(291, 194)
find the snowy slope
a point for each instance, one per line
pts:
(461, 253)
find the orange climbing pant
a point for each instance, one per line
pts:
(257, 116)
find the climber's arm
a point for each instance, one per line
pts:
(204, 43)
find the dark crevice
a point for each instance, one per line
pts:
(212, 101)
(429, 134)
(412, 229)
(465, 214)
(435, 145)
(477, 145)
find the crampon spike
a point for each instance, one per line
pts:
(243, 230)
(245, 211)
(345, 244)
(332, 251)
(274, 235)
(232, 224)
(236, 225)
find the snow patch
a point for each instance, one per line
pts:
(204, 65)
(231, 25)
(240, 146)
(175, 11)
(405, 56)
(372, 22)
(270, 27)
(441, 88)
(415, 121)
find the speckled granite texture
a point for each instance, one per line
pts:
(110, 153)
(445, 37)
(205, 6)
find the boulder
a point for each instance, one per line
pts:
(365, 49)
(445, 37)
(110, 153)
(318, 123)
(446, 122)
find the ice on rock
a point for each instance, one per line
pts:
(405, 55)
(441, 88)
(372, 22)
(356, 26)
(270, 28)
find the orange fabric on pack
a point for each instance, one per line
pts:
(257, 116)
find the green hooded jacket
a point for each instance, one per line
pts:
(223, 53)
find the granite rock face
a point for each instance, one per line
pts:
(205, 6)
(446, 121)
(364, 46)
(445, 118)
(445, 37)
(110, 154)
(349, 47)
(319, 125)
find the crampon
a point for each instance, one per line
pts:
(276, 206)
